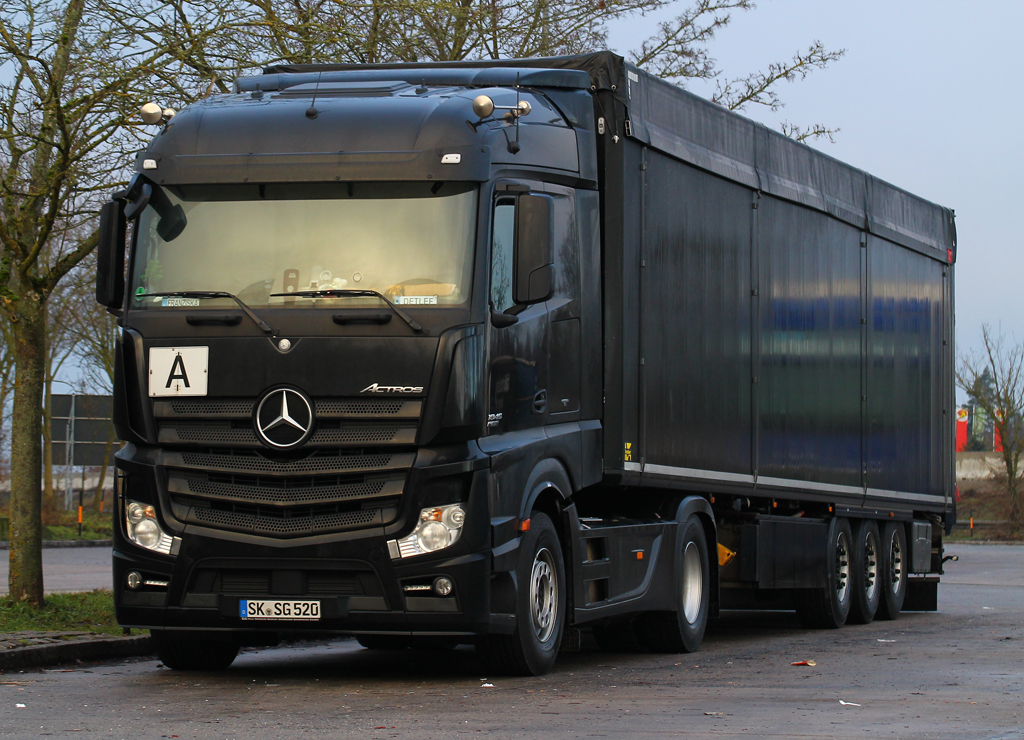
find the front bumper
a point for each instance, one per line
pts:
(361, 589)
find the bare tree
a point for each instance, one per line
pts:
(73, 77)
(994, 379)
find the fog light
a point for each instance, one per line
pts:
(442, 586)
(134, 580)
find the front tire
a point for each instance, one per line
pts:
(894, 570)
(829, 607)
(682, 630)
(190, 651)
(540, 606)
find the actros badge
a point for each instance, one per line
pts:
(284, 418)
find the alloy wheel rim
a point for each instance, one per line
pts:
(842, 567)
(693, 583)
(543, 595)
(870, 566)
(895, 563)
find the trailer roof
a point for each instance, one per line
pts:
(692, 129)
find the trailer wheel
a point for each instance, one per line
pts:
(828, 607)
(682, 630)
(618, 637)
(894, 570)
(540, 606)
(190, 651)
(867, 571)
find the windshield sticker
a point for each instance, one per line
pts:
(416, 300)
(179, 301)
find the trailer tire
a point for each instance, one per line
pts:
(894, 570)
(618, 637)
(829, 607)
(189, 651)
(867, 571)
(682, 630)
(532, 648)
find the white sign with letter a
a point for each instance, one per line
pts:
(178, 371)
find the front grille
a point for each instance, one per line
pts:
(293, 526)
(243, 434)
(287, 492)
(351, 476)
(326, 462)
(326, 408)
(266, 582)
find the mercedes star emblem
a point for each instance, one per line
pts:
(284, 418)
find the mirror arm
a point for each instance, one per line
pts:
(502, 320)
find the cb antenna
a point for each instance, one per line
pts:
(311, 111)
(513, 146)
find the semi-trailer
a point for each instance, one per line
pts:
(491, 352)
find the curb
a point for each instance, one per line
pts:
(67, 543)
(35, 656)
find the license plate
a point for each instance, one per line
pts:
(303, 610)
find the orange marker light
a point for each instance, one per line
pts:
(524, 526)
(639, 554)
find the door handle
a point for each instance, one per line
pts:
(540, 401)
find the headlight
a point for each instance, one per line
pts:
(144, 531)
(438, 527)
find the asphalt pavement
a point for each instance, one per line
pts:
(69, 569)
(956, 673)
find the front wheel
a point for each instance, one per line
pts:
(190, 651)
(540, 606)
(682, 630)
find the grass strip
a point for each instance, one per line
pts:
(87, 611)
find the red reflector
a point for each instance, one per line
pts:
(949, 255)
(524, 526)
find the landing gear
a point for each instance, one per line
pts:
(829, 607)
(540, 606)
(867, 588)
(191, 651)
(682, 630)
(894, 570)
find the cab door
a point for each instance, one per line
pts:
(532, 381)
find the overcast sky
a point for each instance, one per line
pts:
(927, 97)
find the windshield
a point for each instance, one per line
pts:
(412, 242)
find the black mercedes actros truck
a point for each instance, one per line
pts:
(492, 352)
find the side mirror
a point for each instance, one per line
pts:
(533, 276)
(110, 255)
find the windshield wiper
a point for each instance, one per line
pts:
(332, 292)
(213, 294)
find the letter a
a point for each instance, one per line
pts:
(175, 374)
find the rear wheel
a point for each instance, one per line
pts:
(682, 630)
(867, 587)
(192, 651)
(894, 570)
(829, 607)
(540, 606)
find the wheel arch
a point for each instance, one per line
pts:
(701, 508)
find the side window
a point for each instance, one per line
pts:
(501, 253)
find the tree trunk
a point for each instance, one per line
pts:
(26, 570)
(103, 470)
(48, 499)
